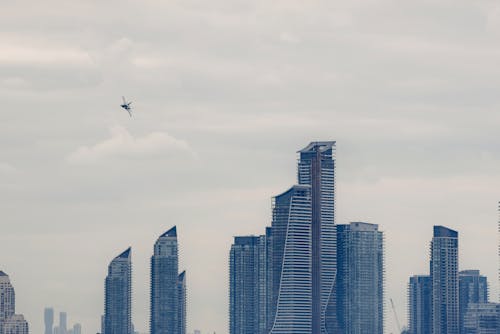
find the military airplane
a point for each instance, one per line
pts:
(126, 106)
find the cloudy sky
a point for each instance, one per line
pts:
(225, 92)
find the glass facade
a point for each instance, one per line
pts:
(473, 288)
(118, 295)
(482, 318)
(168, 288)
(7, 300)
(248, 274)
(420, 304)
(444, 274)
(360, 279)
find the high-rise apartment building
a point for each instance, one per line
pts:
(63, 323)
(16, 324)
(168, 288)
(77, 329)
(444, 275)
(360, 279)
(118, 295)
(482, 319)
(7, 300)
(420, 304)
(248, 298)
(48, 316)
(182, 300)
(304, 246)
(473, 288)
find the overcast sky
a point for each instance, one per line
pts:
(225, 92)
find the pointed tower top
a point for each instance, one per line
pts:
(125, 254)
(170, 233)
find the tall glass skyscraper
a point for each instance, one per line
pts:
(444, 275)
(167, 305)
(360, 279)
(304, 246)
(473, 289)
(248, 298)
(7, 300)
(420, 304)
(49, 320)
(118, 295)
(182, 297)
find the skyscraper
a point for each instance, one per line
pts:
(316, 168)
(77, 329)
(168, 308)
(473, 288)
(182, 298)
(304, 246)
(248, 285)
(7, 300)
(444, 275)
(294, 296)
(48, 316)
(360, 279)
(16, 324)
(63, 322)
(118, 295)
(420, 304)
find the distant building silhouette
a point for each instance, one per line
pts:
(48, 316)
(63, 323)
(360, 278)
(77, 329)
(473, 289)
(118, 295)
(444, 275)
(16, 324)
(420, 304)
(248, 288)
(168, 288)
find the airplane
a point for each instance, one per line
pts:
(126, 106)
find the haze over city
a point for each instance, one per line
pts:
(224, 94)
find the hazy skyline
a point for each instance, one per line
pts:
(225, 92)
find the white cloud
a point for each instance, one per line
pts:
(24, 55)
(124, 145)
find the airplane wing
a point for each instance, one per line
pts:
(129, 112)
(124, 101)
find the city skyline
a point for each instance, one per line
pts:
(223, 93)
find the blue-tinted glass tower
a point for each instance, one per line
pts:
(420, 304)
(248, 285)
(444, 275)
(118, 295)
(316, 168)
(360, 279)
(304, 246)
(473, 289)
(167, 291)
(182, 297)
